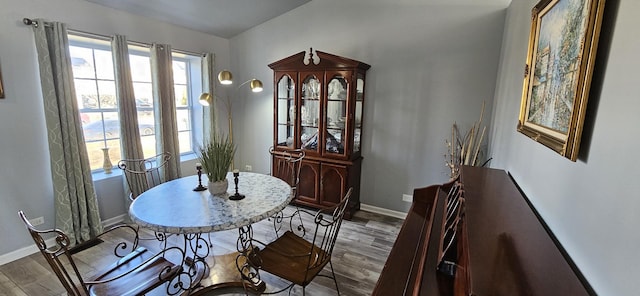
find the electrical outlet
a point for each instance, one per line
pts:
(37, 221)
(248, 168)
(407, 198)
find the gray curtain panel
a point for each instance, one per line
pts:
(76, 204)
(210, 123)
(165, 108)
(130, 143)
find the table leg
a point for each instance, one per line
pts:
(247, 260)
(234, 270)
(194, 268)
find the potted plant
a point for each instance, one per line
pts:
(216, 157)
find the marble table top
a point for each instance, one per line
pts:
(173, 207)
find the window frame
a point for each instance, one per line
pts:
(192, 85)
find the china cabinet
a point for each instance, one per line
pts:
(318, 104)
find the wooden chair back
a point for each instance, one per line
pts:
(142, 174)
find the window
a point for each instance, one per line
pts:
(141, 76)
(181, 78)
(95, 91)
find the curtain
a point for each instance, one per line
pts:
(165, 108)
(130, 143)
(210, 123)
(75, 200)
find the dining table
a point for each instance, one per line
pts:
(175, 207)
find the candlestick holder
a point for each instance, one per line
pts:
(236, 196)
(200, 187)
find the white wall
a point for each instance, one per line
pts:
(431, 65)
(592, 204)
(25, 179)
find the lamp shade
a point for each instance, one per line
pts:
(256, 85)
(225, 77)
(205, 99)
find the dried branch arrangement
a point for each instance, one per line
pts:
(465, 149)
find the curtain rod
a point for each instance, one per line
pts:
(30, 22)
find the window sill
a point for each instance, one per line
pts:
(116, 172)
(188, 156)
(101, 175)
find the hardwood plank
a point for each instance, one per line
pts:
(361, 250)
(9, 288)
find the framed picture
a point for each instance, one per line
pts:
(562, 50)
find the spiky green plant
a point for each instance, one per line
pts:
(216, 157)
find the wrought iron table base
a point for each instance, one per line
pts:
(234, 270)
(194, 268)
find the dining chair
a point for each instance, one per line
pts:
(286, 166)
(135, 272)
(142, 174)
(297, 259)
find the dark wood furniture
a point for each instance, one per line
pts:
(135, 271)
(318, 107)
(501, 246)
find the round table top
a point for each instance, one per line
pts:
(173, 207)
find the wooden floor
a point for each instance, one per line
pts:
(359, 255)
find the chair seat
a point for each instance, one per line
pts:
(280, 258)
(145, 278)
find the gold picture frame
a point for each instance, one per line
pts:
(560, 60)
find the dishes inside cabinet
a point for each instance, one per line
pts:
(312, 88)
(336, 90)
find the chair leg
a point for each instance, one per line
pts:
(335, 280)
(301, 226)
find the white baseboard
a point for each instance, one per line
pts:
(383, 211)
(31, 249)
(113, 221)
(24, 252)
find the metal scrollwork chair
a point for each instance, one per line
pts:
(142, 174)
(299, 260)
(136, 272)
(287, 164)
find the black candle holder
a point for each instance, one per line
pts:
(200, 187)
(236, 196)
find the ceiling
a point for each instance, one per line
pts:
(228, 18)
(222, 18)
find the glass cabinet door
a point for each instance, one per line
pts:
(357, 131)
(286, 108)
(335, 117)
(310, 112)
